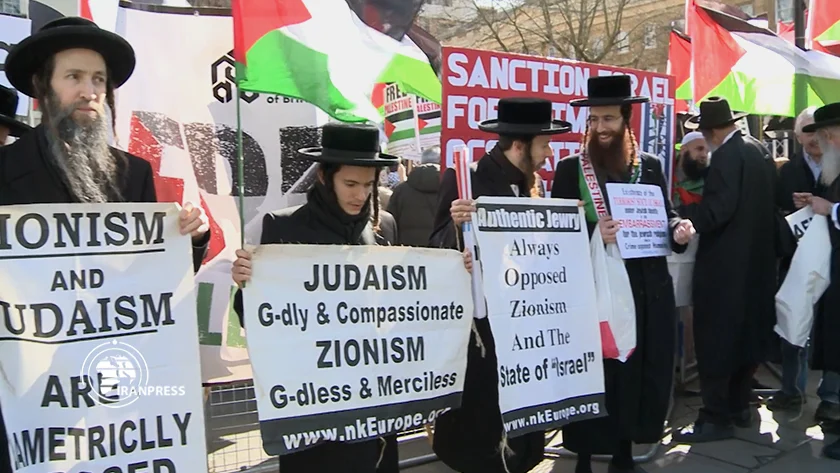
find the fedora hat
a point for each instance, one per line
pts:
(8, 111)
(827, 115)
(608, 90)
(715, 113)
(351, 145)
(62, 34)
(524, 116)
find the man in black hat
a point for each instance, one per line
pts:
(734, 273)
(468, 439)
(638, 391)
(72, 67)
(342, 208)
(9, 125)
(826, 333)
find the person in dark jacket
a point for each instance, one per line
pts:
(414, 201)
(734, 273)
(638, 391)
(799, 179)
(826, 333)
(9, 125)
(67, 159)
(342, 208)
(468, 439)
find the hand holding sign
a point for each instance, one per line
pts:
(820, 205)
(461, 210)
(609, 228)
(800, 199)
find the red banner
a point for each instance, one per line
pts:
(475, 80)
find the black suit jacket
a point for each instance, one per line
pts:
(27, 178)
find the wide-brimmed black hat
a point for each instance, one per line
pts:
(62, 34)
(8, 111)
(524, 116)
(715, 113)
(827, 115)
(608, 90)
(351, 145)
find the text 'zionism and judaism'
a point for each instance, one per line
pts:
(352, 343)
(540, 293)
(98, 342)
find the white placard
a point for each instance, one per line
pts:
(351, 343)
(98, 344)
(800, 220)
(540, 292)
(12, 31)
(640, 209)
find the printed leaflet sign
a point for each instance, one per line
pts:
(540, 293)
(640, 208)
(351, 343)
(99, 347)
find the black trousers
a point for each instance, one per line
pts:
(726, 396)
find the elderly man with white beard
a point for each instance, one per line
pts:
(72, 67)
(826, 333)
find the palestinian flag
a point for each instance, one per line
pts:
(823, 29)
(754, 69)
(679, 66)
(320, 51)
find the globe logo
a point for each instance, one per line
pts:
(117, 372)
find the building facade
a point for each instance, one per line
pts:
(637, 37)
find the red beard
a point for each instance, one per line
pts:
(612, 158)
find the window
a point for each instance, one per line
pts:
(622, 42)
(784, 10)
(650, 36)
(749, 9)
(10, 7)
(443, 3)
(598, 47)
(551, 52)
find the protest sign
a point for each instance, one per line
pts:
(98, 345)
(12, 31)
(473, 82)
(179, 112)
(540, 292)
(640, 209)
(351, 343)
(412, 124)
(800, 220)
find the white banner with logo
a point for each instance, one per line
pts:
(799, 221)
(98, 343)
(12, 31)
(178, 111)
(352, 343)
(540, 291)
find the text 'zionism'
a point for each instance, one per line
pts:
(368, 332)
(540, 293)
(89, 293)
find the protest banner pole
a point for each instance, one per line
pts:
(240, 166)
(416, 125)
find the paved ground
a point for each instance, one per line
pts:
(780, 443)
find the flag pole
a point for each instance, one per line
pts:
(800, 100)
(240, 166)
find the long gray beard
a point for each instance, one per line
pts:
(830, 162)
(80, 153)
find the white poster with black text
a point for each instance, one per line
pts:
(540, 292)
(352, 343)
(98, 344)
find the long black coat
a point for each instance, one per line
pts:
(304, 225)
(25, 178)
(639, 390)
(735, 268)
(826, 333)
(467, 439)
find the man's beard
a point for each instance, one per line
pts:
(80, 153)
(830, 162)
(613, 157)
(693, 169)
